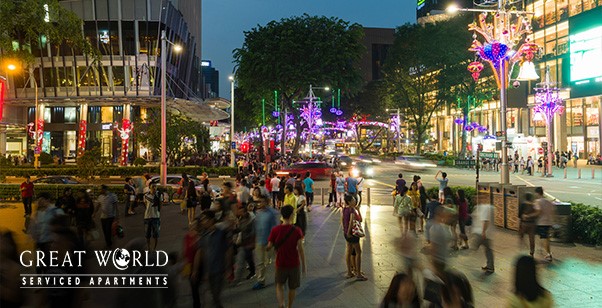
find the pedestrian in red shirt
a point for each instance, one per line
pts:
(287, 239)
(27, 195)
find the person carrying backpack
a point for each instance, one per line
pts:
(152, 216)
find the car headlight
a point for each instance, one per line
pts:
(376, 161)
(343, 163)
(370, 171)
(355, 173)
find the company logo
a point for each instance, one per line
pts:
(56, 269)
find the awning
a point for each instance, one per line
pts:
(200, 112)
(218, 102)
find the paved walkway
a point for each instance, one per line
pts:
(573, 278)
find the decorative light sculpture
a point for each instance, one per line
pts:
(503, 46)
(547, 103)
(81, 146)
(125, 133)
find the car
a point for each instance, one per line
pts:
(318, 170)
(56, 179)
(369, 159)
(174, 181)
(414, 163)
(345, 162)
(363, 169)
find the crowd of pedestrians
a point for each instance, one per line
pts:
(235, 232)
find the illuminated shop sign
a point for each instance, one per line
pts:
(586, 56)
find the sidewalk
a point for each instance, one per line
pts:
(574, 277)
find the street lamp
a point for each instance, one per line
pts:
(548, 103)
(176, 48)
(501, 48)
(232, 142)
(36, 156)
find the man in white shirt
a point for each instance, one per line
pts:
(483, 230)
(243, 192)
(275, 182)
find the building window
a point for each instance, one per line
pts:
(48, 115)
(70, 115)
(117, 113)
(94, 115)
(58, 115)
(107, 114)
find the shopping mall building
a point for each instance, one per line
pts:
(84, 103)
(570, 35)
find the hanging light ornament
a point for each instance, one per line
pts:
(459, 121)
(275, 113)
(475, 69)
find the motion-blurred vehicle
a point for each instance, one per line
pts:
(318, 170)
(56, 179)
(363, 169)
(345, 162)
(369, 159)
(414, 163)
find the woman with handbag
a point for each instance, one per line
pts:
(352, 228)
(416, 211)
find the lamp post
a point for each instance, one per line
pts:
(547, 104)
(232, 144)
(501, 49)
(177, 48)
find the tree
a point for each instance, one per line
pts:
(290, 54)
(24, 23)
(424, 66)
(184, 136)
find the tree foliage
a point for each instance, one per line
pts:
(23, 24)
(184, 136)
(424, 67)
(290, 54)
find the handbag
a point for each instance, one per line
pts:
(183, 204)
(132, 198)
(357, 229)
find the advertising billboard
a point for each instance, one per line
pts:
(585, 52)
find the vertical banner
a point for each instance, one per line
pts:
(125, 132)
(81, 138)
(40, 133)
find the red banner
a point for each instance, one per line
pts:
(81, 138)
(125, 132)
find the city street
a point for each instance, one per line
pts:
(572, 278)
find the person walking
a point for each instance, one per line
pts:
(401, 209)
(210, 258)
(107, 205)
(528, 293)
(340, 188)
(244, 240)
(423, 201)
(545, 211)
(451, 204)
(83, 212)
(527, 222)
(308, 182)
(429, 214)
(275, 182)
(332, 198)
(27, 195)
(265, 220)
(353, 253)
(130, 196)
(191, 201)
(152, 217)
(442, 184)
(483, 231)
(416, 211)
(287, 239)
(462, 204)
(300, 210)
(400, 183)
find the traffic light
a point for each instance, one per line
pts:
(2, 90)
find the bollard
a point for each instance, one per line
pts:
(579, 173)
(322, 194)
(593, 173)
(368, 192)
(565, 173)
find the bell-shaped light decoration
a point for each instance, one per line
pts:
(527, 72)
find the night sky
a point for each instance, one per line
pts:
(224, 22)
